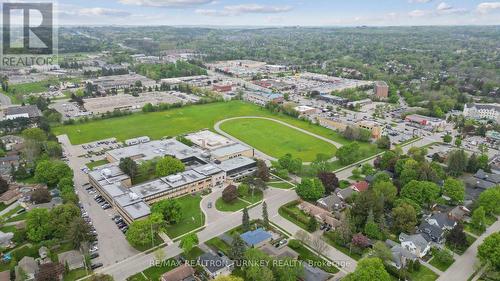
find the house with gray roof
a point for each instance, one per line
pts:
(215, 266)
(314, 274)
(26, 269)
(331, 203)
(400, 255)
(415, 244)
(345, 193)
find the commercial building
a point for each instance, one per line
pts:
(263, 98)
(489, 111)
(435, 124)
(238, 168)
(208, 140)
(306, 110)
(116, 82)
(381, 90)
(197, 81)
(232, 151)
(333, 99)
(375, 128)
(27, 111)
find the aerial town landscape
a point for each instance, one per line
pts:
(257, 142)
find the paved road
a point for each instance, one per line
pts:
(5, 100)
(113, 247)
(464, 265)
(261, 154)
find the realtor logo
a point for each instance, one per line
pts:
(27, 29)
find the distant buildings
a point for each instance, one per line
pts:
(27, 111)
(483, 111)
(306, 110)
(263, 98)
(381, 90)
(117, 82)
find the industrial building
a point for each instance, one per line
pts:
(27, 111)
(116, 82)
(208, 140)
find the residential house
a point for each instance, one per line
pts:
(183, 272)
(321, 215)
(360, 186)
(215, 266)
(10, 196)
(431, 233)
(73, 259)
(345, 193)
(459, 213)
(415, 244)
(6, 239)
(442, 220)
(50, 269)
(492, 178)
(5, 275)
(256, 238)
(280, 252)
(26, 269)
(331, 203)
(400, 255)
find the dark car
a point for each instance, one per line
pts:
(96, 265)
(94, 255)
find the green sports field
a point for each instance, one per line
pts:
(184, 120)
(276, 140)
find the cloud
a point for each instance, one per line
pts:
(418, 13)
(235, 10)
(103, 12)
(166, 3)
(443, 6)
(487, 7)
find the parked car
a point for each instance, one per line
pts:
(96, 265)
(94, 255)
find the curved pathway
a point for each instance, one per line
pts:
(258, 152)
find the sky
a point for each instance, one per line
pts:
(276, 12)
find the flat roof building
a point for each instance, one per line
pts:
(120, 81)
(232, 151)
(238, 168)
(381, 90)
(151, 150)
(208, 140)
(27, 111)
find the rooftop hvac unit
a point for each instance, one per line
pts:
(106, 173)
(208, 168)
(174, 178)
(133, 196)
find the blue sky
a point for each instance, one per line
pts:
(279, 12)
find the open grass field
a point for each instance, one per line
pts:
(276, 140)
(192, 217)
(181, 121)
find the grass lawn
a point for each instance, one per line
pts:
(282, 185)
(98, 163)
(256, 197)
(3, 206)
(192, 217)
(234, 206)
(309, 257)
(10, 213)
(276, 140)
(489, 221)
(218, 244)
(341, 248)
(184, 120)
(292, 213)
(424, 274)
(18, 217)
(75, 275)
(439, 265)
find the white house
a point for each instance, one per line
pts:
(415, 244)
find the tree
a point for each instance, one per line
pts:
(78, 232)
(489, 200)
(230, 193)
(458, 141)
(367, 170)
(489, 252)
(129, 167)
(384, 142)
(228, 278)
(140, 233)
(169, 166)
(310, 189)
(345, 227)
(252, 269)
(447, 138)
(369, 269)
(478, 220)
(387, 190)
(312, 224)
(483, 162)
(422, 192)
(188, 242)
(265, 215)
(34, 134)
(38, 225)
(404, 218)
(245, 220)
(61, 217)
(319, 245)
(170, 209)
(454, 189)
(457, 162)
(371, 228)
(348, 154)
(329, 181)
(360, 241)
(263, 171)
(409, 172)
(472, 164)
(51, 172)
(53, 149)
(4, 185)
(49, 271)
(443, 256)
(238, 247)
(456, 237)
(40, 195)
(381, 251)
